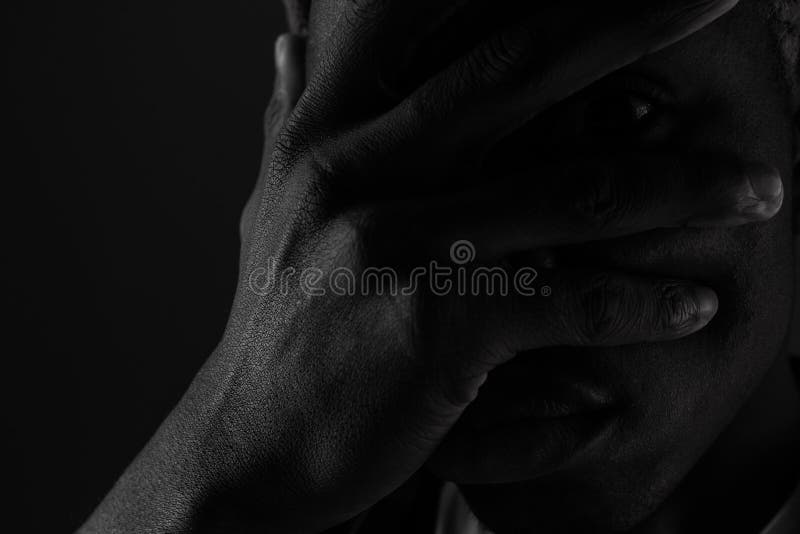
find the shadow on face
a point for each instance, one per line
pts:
(663, 404)
(719, 91)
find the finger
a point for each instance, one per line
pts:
(367, 42)
(297, 12)
(602, 200)
(515, 75)
(288, 86)
(289, 81)
(617, 309)
(600, 310)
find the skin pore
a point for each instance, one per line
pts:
(722, 90)
(728, 96)
(641, 173)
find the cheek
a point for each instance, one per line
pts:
(752, 270)
(686, 391)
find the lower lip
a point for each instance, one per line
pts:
(522, 450)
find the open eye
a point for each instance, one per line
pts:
(619, 110)
(616, 114)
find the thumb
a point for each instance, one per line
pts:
(289, 82)
(289, 85)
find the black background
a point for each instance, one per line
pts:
(135, 140)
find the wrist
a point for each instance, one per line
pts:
(198, 473)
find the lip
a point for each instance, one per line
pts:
(522, 450)
(532, 417)
(505, 406)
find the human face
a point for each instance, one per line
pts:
(662, 404)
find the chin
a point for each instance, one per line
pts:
(595, 440)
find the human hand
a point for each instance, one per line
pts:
(316, 406)
(392, 373)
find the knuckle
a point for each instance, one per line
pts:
(293, 188)
(287, 147)
(298, 156)
(601, 204)
(677, 309)
(602, 303)
(500, 58)
(420, 107)
(323, 160)
(349, 234)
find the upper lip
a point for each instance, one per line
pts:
(501, 406)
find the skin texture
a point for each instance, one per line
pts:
(312, 409)
(679, 396)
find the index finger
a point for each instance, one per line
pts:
(609, 198)
(518, 73)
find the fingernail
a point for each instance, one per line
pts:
(765, 195)
(767, 184)
(693, 306)
(707, 303)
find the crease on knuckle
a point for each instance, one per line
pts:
(602, 302)
(421, 107)
(287, 149)
(677, 311)
(350, 233)
(500, 59)
(601, 205)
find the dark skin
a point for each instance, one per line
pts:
(750, 267)
(313, 409)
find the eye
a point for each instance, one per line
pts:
(619, 111)
(619, 115)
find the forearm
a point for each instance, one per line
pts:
(163, 490)
(198, 473)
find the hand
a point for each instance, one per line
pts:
(315, 407)
(364, 387)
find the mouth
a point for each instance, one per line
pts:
(524, 425)
(503, 404)
(522, 450)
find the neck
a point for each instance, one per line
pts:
(749, 472)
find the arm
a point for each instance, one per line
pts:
(315, 407)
